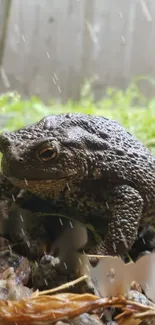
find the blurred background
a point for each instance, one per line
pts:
(92, 56)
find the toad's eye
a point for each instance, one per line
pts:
(47, 153)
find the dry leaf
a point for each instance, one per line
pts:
(129, 320)
(144, 274)
(112, 276)
(43, 309)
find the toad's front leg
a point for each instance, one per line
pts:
(125, 206)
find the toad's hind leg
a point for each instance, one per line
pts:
(125, 211)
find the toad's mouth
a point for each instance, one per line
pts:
(29, 182)
(42, 188)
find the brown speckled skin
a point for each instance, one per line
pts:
(101, 175)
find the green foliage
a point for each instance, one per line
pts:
(129, 107)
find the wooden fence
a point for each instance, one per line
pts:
(52, 46)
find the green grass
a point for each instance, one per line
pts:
(129, 107)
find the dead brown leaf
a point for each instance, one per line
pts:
(112, 276)
(129, 320)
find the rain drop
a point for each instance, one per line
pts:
(61, 223)
(48, 55)
(13, 198)
(26, 182)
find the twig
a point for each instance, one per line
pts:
(62, 287)
(137, 304)
(125, 313)
(145, 314)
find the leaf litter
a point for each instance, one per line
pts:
(47, 307)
